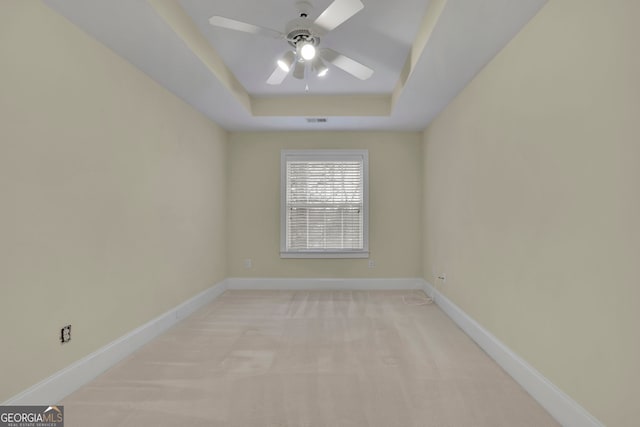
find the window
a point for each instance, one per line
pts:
(324, 204)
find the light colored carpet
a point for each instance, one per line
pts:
(308, 359)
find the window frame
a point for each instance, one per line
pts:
(328, 155)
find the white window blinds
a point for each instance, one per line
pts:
(324, 204)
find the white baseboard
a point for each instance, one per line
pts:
(561, 407)
(69, 379)
(295, 284)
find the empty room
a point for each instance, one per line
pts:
(322, 213)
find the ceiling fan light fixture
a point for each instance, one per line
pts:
(319, 68)
(286, 61)
(307, 50)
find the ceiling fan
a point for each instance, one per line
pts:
(303, 35)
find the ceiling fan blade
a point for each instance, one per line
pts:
(232, 24)
(277, 77)
(338, 12)
(347, 64)
(298, 71)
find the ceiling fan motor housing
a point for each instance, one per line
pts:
(300, 29)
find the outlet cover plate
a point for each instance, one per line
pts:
(65, 334)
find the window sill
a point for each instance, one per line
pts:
(336, 255)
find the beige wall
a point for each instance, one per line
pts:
(112, 196)
(533, 204)
(394, 202)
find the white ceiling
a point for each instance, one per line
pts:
(466, 35)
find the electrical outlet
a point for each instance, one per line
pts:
(65, 334)
(372, 263)
(248, 263)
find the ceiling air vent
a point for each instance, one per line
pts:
(316, 120)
